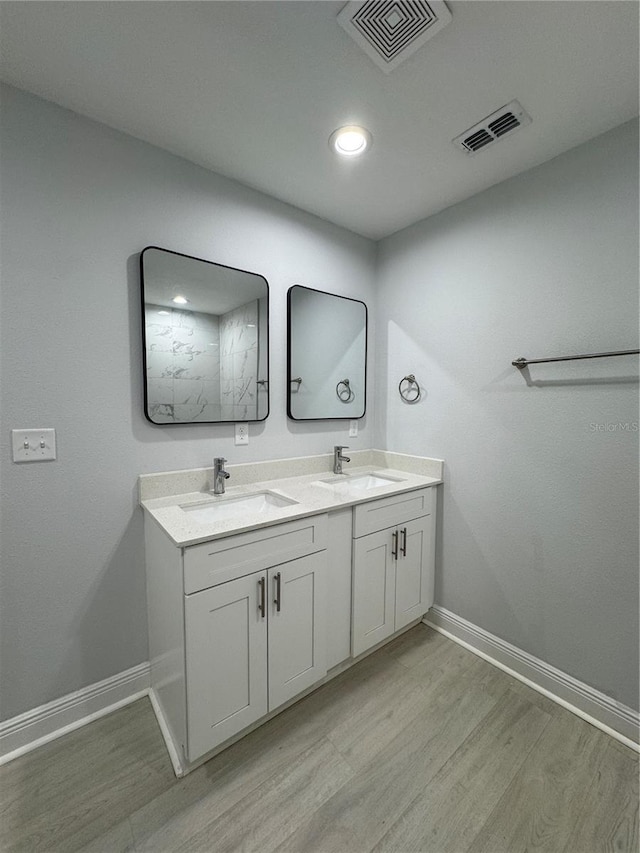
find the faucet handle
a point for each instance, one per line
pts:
(219, 460)
(341, 447)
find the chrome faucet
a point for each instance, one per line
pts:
(338, 458)
(219, 475)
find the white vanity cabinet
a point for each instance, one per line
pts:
(251, 645)
(242, 624)
(237, 628)
(393, 565)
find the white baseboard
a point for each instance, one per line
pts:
(614, 718)
(34, 728)
(178, 767)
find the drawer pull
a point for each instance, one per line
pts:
(276, 601)
(262, 606)
(394, 546)
(403, 547)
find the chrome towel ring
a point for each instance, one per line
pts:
(411, 392)
(344, 391)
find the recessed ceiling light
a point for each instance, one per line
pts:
(180, 300)
(350, 141)
(164, 313)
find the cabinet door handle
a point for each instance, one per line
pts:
(403, 547)
(394, 545)
(262, 606)
(276, 600)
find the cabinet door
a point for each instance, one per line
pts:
(226, 654)
(373, 590)
(297, 627)
(414, 571)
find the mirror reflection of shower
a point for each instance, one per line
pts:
(206, 340)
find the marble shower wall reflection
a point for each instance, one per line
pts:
(202, 367)
(239, 363)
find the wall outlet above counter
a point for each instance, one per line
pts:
(242, 434)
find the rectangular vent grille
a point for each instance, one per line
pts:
(478, 140)
(489, 130)
(389, 31)
(504, 124)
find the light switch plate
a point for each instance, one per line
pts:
(353, 429)
(242, 434)
(33, 445)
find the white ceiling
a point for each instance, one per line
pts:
(252, 90)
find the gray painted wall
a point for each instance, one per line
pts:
(79, 202)
(539, 539)
(540, 526)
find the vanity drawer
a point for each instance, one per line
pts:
(385, 512)
(222, 560)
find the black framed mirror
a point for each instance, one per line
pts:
(205, 332)
(326, 355)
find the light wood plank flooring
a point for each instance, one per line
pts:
(421, 747)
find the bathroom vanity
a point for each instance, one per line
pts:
(257, 596)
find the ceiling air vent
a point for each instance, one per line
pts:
(489, 130)
(389, 31)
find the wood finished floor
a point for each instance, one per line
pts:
(421, 747)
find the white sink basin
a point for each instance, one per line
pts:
(360, 482)
(218, 509)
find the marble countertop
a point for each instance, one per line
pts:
(310, 494)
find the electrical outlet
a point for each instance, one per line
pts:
(33, 445)
(353, 429)
(242, 434)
